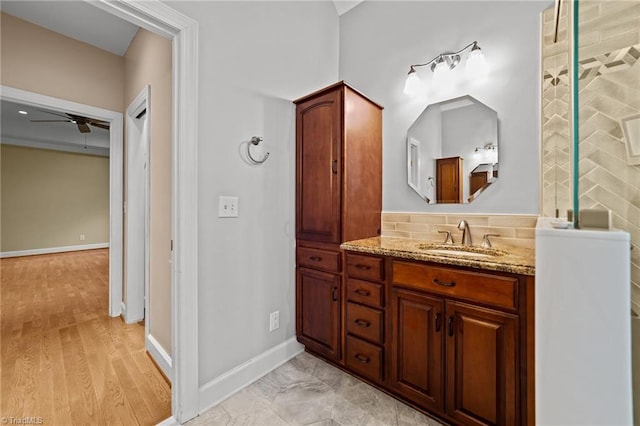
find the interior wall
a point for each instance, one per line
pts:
(42, 61)
(380, 39)
(254, 59)
(49, 198)
(148, 60)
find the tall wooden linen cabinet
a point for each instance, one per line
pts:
(338, 198)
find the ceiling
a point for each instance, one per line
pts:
(17, 129)
(76, 19)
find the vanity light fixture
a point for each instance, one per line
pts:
(442, 64)
(487, 154)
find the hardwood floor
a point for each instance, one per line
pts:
(64, 360)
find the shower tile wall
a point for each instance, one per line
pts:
(609, 91)
(556, 136)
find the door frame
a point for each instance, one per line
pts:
(136, 308)
(161, 19)
(115, 174)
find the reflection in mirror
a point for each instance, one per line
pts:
(452, 151)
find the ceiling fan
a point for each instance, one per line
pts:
(83, 123)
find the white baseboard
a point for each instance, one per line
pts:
(49, 250)
(159, 355)
(232, 381)
(171, 421)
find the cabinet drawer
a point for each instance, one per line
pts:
(475, 286)
(365, 292)
(364, 322)
(318, 259)
(365, 267)
(364, 358)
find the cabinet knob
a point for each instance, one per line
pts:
(362, 323)
(334, 167)
(451, 326)
(444, 283)
(334, 294)
(438, 321)
(362, 358)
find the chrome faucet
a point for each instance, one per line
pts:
(466, 233)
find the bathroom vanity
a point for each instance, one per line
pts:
(450, 333)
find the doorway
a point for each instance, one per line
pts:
(160, 19)
(115, 174)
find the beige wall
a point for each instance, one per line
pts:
(148, 61)
(49, 198)
(41, 61)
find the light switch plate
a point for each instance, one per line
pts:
(227, 206)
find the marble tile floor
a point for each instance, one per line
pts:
(308, 391)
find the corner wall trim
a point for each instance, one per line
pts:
(246, 373)
(159, 355)
(49, 250)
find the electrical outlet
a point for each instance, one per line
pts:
(227, 206)
(81, 237)
(274, 320)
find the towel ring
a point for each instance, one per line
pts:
(255, 140)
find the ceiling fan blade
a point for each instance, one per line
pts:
(55, 113)
(50, 121)
(100, 125)
(83, 127)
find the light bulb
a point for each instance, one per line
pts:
(476, 68)
(442, 76)
(412, 84)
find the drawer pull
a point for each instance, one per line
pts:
(443, 283)
(451, 326)
(363, 267)
(362, 292)
(362, 358)
(438, 322)
(315, 258)
(334, 294)
(362, 323)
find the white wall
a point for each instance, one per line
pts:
(380, 39)
(254, 59)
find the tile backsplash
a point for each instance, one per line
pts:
(514, 230)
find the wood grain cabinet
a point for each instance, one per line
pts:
(365, 335)
(459, 343)
(338, 198)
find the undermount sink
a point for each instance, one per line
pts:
(453, 250)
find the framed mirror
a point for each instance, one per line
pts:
(452, 151)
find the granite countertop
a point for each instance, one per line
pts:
(510, 259)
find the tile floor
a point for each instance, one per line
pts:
(308, 391)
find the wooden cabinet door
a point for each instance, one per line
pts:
(318, 311)
(318, 168)
(416, 348)
(481, 371)
(449, 180)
